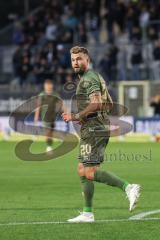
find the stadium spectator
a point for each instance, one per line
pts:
(30, 26)
(63, 57)
(71, 20)
(136, 60)
(144, 17)
(122, 60)
(156, 61)
(108, 64)
(155, 103)
(43, 70)
(82, 34)
(154, 16)
(18, 35)
(24, 70)
(104, 66)
(94, 28)
(136, 34)
(120, 15)
(110, 16)
(66, 36)
(152, 34)
(52, 31)
(17, 57)
(130, 18)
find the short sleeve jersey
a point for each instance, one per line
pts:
(89, 83)
(50, 105)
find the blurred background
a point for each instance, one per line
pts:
(123, 37)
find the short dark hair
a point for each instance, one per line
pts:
(78, 49)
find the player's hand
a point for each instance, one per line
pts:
(68, 117)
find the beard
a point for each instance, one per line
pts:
(79, 70)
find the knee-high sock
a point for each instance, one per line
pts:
(88, 191)
(109, 179)
(49, 142)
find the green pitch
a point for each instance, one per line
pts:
(38, 195)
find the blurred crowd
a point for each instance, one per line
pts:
(155, 104)
(43, 40)
(132, 17)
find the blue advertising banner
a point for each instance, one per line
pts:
(149, 125)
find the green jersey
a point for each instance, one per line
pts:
(94, 130)
(50, 106)
(89, 83)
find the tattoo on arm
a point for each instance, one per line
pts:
(95, 97)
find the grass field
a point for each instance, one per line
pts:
(38, 195)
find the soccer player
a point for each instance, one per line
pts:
(48, 104)
(92, 95)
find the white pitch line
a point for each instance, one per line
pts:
(97, 221)
(144, 214)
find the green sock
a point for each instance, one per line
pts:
(125, 185)
(49, 142)
(110, 179)
(88, 191)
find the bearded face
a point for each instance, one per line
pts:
(80, 62)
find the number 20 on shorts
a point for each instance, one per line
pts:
(85, 149)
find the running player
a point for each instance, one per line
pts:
(48, 104)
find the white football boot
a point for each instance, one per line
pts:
(49, 148)
(83, 217)
(133, 193)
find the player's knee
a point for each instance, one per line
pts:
(89, 175)
(80, 170)
(89, 172)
